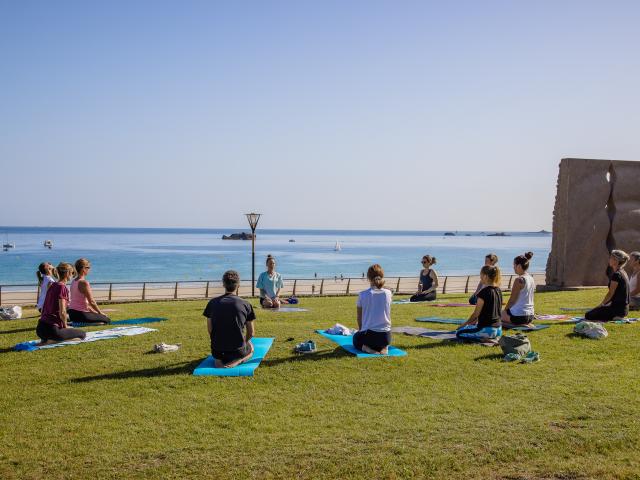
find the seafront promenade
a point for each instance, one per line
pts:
(181, 290)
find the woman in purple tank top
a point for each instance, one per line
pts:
(82, 307)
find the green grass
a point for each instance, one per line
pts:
(113, 410)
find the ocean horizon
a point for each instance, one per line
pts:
(121, 254)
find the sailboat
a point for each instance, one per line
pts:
(48, 244)
(6, 246)
(337, 247)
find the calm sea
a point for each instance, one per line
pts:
(135, 254)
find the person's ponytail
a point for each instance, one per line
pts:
(375, 274)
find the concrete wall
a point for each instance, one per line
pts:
(597, 210)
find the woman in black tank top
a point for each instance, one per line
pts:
(615, 304)
(428, 281)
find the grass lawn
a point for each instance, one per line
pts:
(111, 409)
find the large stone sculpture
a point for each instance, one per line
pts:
(597, 210)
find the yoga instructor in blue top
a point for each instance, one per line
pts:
(270, 283)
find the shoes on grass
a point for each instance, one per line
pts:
(530, 357)
(306, 347)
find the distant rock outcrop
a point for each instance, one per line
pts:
(238, 236)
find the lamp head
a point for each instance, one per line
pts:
(253, 219)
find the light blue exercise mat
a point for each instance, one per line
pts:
(260, 348)
(285, 309)
(108, 334)
(128, 321)
(346, 342)
(460, 321)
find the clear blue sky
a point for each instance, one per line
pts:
(363, 114)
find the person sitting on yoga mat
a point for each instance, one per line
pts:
(484, 322)
(428, 283)
(374, 315)
(519, 309)
(491, 259)
(615, 305)
(270, 283)
(634, 284)
(82, 307)
(228, 316)
(46, 276)
(52, 326)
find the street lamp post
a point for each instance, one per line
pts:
(253, 223)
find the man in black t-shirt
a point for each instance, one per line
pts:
(228, 316)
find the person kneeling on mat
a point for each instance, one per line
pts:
(484, 322)
(615, 305)
(519, 310)
(52, 326)
(374, 315)
(228, 316)
(270, 283)
(82, 307)
(428, 284)
(490, 259)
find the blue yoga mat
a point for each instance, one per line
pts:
(128, 321)
(460, 321)
(260, 348)
(346, 342)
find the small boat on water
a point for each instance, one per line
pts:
(48, 244)
(449, 234)
(337, 247)
(6, 245)
(292, 240)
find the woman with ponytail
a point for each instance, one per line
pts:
(374, 315)
(484, 323)
(490, 259)
(53, 325)
(519, 310)
(45, 275)
(83, 307)
(428, 284)
(615, 305)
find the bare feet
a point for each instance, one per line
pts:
(367, 349)
(234, 363)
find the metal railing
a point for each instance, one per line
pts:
(27, 294)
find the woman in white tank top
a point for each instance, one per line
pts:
(519, 310)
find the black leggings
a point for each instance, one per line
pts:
(87, 317)
(372, 339)
(47, 331)
(520, 319)
(423, 297)
(606, 313)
